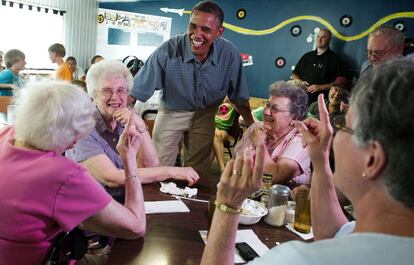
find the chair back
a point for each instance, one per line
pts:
(149, 123)
(4, 102)
(68, 246)
(236, 132)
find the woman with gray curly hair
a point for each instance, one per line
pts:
(109, 83)
(285, 159)
(42, 193)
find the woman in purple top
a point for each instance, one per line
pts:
(42, 193)
(286, 159)
(109, 83)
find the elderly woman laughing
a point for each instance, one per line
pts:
(109, 83)
(285, 159)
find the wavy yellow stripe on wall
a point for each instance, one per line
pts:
(317, 19)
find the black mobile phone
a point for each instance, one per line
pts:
(245, 251)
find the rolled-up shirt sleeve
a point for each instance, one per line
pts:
(150, 77)
(82, 192)
(238, 91)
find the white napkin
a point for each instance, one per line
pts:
(175, 206)
(172, 188)
(302, 235)
(246, 235)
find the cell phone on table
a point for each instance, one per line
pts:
(245, 251)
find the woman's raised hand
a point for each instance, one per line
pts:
(130, 139)
(241, 178)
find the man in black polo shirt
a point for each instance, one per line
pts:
(319, 68)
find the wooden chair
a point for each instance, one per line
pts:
(149, 123)
(4, 102)
(68, 246)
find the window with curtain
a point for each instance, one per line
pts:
(31, 31)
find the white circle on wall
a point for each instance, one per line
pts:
(316, 30)
(309, 39)
(292, 67)
(399, 25)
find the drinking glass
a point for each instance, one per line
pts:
(302, 212)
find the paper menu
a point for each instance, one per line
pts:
(303, 236)
(174, 206)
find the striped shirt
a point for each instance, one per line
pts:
(186, 83)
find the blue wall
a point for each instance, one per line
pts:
(265, 14)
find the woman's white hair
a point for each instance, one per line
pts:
(103, 71)
(51, 115)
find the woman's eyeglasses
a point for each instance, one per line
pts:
(343, 127)
(109, 92)
(274, 108)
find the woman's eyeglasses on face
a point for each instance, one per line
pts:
(109, 92)
(274, 108)
(342, 127)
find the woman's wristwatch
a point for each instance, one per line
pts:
(226, 209)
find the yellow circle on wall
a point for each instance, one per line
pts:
(100, 18)
(241, 13)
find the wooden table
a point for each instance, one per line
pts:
(173, 239)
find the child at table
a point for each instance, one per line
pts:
(224, 120)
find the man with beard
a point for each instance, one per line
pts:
(319, 68)
(195, 71)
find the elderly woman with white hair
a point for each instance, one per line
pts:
(42, 192)
(109, 83)
(285, 157)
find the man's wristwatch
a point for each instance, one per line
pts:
(226, 209)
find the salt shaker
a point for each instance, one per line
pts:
(290, 212)
(279, 195)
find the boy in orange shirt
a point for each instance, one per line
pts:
(56, 53)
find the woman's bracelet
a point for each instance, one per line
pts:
(133, 178)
